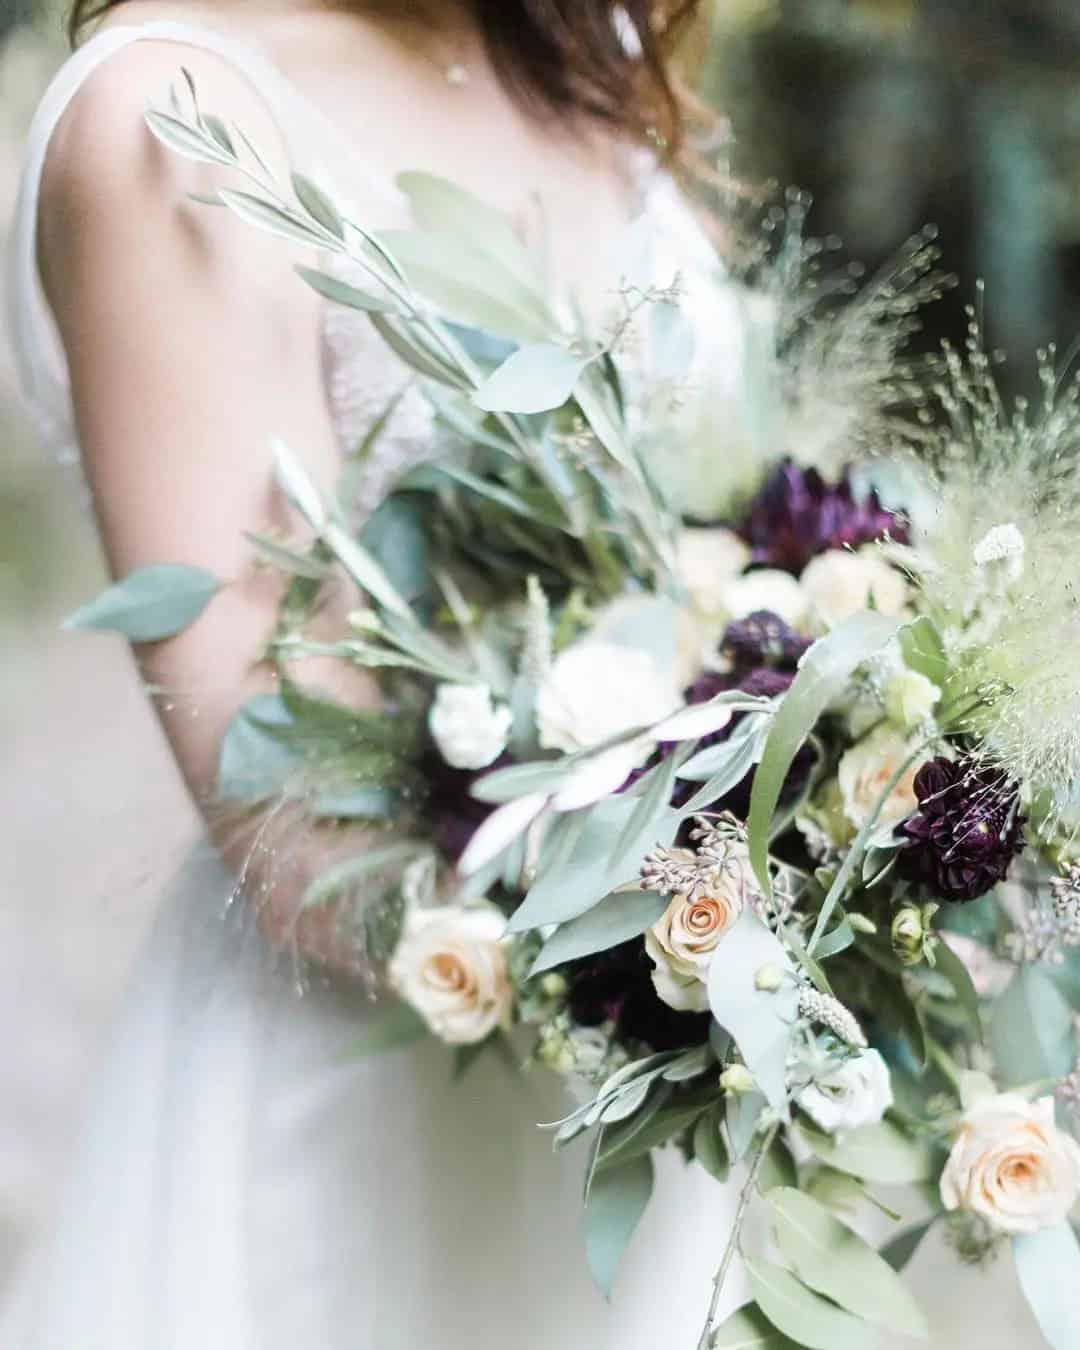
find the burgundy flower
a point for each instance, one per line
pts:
(797, 515)
(966, 832)
(763, 639)
(617, 984)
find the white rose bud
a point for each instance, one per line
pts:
(708, 559)
(864, 772)
(838, 583)
(450, 965)
(768, 979)
(597, 690)
(738, 1079)
(856, 1092)
(1011, 1165)
(910, 699)
(770, 589)
(681, 943)
(468, 727)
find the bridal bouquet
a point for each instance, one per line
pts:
(728, 756)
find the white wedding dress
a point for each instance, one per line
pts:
(243, 1183)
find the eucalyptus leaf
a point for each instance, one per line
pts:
(185, 140)
(749, 1329)
(742, 1116)
(823, 674)
(521, 780)
(616, 919)
(342, 293)
(389, 1028)
(710, 1148)
(151, 603)
(884, 1153)
(286, 559)
(760, 1022)
(956, 972)
(730, 759)
(275, 219)
(1032, 1033)
(618, 1197)
(834, 1260)
(839, 939)
(1048, 1267)
(800, 1313)
(534, 379)
(900, 1249)
(317, 204)
(670, 1122)
(405, 341)
(253, 764)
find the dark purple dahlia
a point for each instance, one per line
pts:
(763, 639)
(797, 515)
(617, 984)
(966, 832)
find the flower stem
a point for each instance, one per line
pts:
(733, 1240)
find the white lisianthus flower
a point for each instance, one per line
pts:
(468, 726)
(450, 966)
(999, 554)
(910, 699)
(856, 1092)
(770, 589)
(1011, 1165)
(597, 690)
(839, 583)
(865, 770)
(708, 560)
(682, 941)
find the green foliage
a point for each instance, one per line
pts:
(151, 603)
(617, 1198)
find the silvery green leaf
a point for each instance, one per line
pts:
(956, 972)
(367, 802)
(1032, 1033)
(618, 1197)
(500, 830)
(899, 1251)
(838, 940)
(329, 884)
(778, 1168)
(519, 780)
(595, 402)
(342, 293)
(364, 570)
(220, 132)
(760, 1022)
(742, 1114)
(798, 1312)
(690, 724)
(626, 1102)
(924, 651)
(835, 1261)
(286, 559)
(1048, 1267)
(710, 1148)
(691, 1064)
(652, 806)
(255, 765)
(649, 1065)
(883, 1153)
(823, 674)
(584, 876)
(150, 603)
(618, 918)
(596, 776)
(535, 379)
(295, 482)
(405, 341)
(726, 764)
(389, 1028)
(750, 1329)
(185, 140)
(671, 1121)
(318, 205)
(275, 219)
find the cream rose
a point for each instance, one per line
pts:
(597, 690)
(767, 589)
(1012, 1165)
(708, 559)
(838, 583)
(682, 941)
(865, 770)
(468, 727)
(858, 1091)
(450, 965)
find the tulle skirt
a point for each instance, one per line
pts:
(247, 1183)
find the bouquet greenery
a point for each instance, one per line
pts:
(728, 742)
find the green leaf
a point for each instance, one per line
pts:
(318, 205)
(521, 780)
(659, 1128)
(742, 1113)
(883, 1153)
(798, 1312)
(731, 759)
(617, 1199)
(759, 1022)
(1048, 1267)
(341, 293)
(900, 1249)
(836, 941)
(151, 603)
(949, 964)
(286, 559)
(406, 342)
(1032, 1033)
(534, 379)
(832, 1259)
(255, 764)
(265, 216)
(777, 1167)
(923, 650)
(365, 571)
(618, 918)
(390, 1028)
(185, 140)
(710, 1147)
(823, 674)
(750, 1329)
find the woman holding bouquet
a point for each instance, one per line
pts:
(244, 1183)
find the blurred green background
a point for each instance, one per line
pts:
(892, 113)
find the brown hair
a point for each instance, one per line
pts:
(607, 59)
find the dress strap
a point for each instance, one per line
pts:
(39, 355)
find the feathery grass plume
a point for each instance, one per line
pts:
(999, 568)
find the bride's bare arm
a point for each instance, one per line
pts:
(190, 345)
